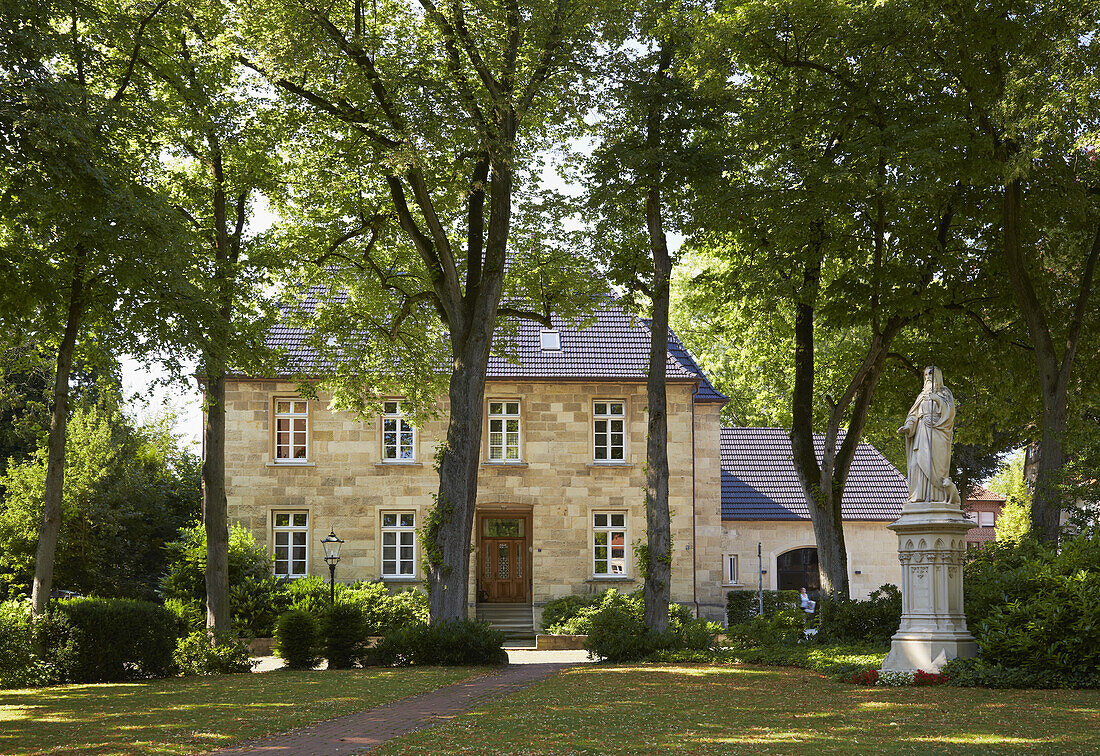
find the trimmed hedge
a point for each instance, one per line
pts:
(107, 640)
(872, 621)
(296, 639)
(449, 642)
(741, 606)
(342, 635)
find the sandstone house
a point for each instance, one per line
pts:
(560, 500)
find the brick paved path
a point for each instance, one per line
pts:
(359, 732)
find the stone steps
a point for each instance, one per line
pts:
(514, 620)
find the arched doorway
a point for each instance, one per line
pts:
(797, 569)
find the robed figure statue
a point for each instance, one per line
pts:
(928, 432)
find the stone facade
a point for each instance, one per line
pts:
(872, 551)
(345, 485)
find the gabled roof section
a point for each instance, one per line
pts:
(759, 481)
(615, 346)
(980, 493)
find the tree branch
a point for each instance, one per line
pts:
(512, 312)
(125, 82)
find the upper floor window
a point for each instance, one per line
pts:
(504, 431)
(987, 519)
(291, 430)
(398, 434)
(608, 431)
(609, 544)
(398, 544)
(291, 540)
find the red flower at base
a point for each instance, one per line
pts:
(920, 677)
(866, 677)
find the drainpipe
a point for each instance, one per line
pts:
(694, 557)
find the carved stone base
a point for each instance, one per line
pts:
(932, 549)
(927, 651)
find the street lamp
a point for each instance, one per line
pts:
(332, 556)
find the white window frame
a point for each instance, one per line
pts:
(392, 414)
(294, 419)
(499, 422)
(287, 533)
(607, 523)
(972, 516)
(729, 569)
(608, 417)
(401, 532)
(987, 519)
(550, 340)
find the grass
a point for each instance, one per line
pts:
(196, 714)
(671, 709)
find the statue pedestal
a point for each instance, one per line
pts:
(931, 548)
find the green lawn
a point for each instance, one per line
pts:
(196, 714)
(718, 710)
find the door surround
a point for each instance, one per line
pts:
(488, 589)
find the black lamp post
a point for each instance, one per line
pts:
(332, 556)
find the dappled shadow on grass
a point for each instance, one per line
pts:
(187, 715)
(688, 710)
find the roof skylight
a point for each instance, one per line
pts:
(550, 341)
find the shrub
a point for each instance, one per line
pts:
(447, 642)
(974, 673)
(191, 614)
(342, 635)
(1033, 608)
(196, 654)
(106, 640)
(20, 664)
(307, 594)
(255, 595)
(786, 627)
(741, 606)
(296, 639)
(617, 632)
(872, 621)
(559, 611)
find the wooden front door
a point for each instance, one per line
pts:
(503, 564)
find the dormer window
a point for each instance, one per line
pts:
(550, 341)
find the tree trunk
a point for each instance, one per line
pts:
(658, 579)
(55, 461)
(823, 503)
(1054, 369)
(214, 511)
(449, 536)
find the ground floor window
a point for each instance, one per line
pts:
(609, 544)
(398, 544)
(730, 566)
(291, 539)
(797, 569)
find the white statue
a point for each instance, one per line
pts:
(928, 432)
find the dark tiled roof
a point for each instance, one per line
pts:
(615, 346)
(759, 481)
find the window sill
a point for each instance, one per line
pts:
(495, 463)
(610, 464)
(399, 463)
(291, 464)
(399, 579)
(618, 579)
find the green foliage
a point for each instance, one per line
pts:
(200, 653)
(557, 612)
(382, 610)
(127, 490)
(107, 640)
(851, 621)
(254, 592)
(21, 665)
(785, 627)
(1014, 522)
(617, 632)
(978, 673)
(297, 639)
(342, 630)
(741, 606)
(447, 642)
(1033, 608)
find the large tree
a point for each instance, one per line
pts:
(84, 240)
(642, 161)
(430, 118)
(827, 224)
(220, 139)
(1023, 77)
